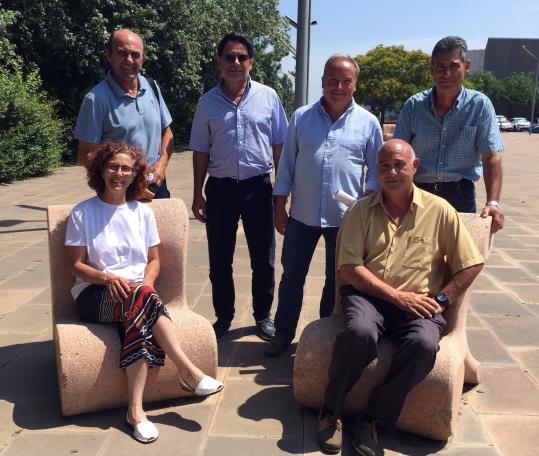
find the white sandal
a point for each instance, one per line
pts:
(144, 432)
(206, 387)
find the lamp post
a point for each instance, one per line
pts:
(532, 54)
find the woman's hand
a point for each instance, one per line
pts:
(117, 287)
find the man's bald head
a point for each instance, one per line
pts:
(396, 164)
(124, 35)
(396, 146)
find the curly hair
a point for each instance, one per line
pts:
(100, 158)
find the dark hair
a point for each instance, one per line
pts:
(100, 158)
(235, 37)
(111, 38)
(451, 44)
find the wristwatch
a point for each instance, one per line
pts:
(493, 203)
(442, 299)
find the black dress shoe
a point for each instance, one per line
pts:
(277, 345)
(265, 329)
(221, 327)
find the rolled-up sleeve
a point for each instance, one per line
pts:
(373, 145)
(279, 123)
(287, 163)
(200, 140)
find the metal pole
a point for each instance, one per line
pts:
(532, 54)
(302, 57)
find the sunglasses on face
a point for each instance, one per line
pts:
(231, 58)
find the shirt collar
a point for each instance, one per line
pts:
(323, 111)
(417, 198)
(458, 102)
(247, 88)
(118, 91)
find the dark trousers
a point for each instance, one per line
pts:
(298, 247)
(461, 194)
(162, 191)
(228, 200)
(366, 320)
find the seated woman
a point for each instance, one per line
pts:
(112, 244)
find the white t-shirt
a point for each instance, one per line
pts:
(117, 237)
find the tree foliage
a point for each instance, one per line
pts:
(31, 137)
(485, 82)
(66, 40)
(389, 75)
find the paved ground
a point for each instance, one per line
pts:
(256, 413)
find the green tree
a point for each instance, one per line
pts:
(517, 90)
(66, 39)
(8, 56)
(389, 75)
(485, 82)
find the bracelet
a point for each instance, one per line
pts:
(493, 203)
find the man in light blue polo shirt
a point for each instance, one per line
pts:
(455, 135)
(328, 145)
(237, 135)
(124, 108)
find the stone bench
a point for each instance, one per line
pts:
(432, 407)
(387, 131)
(87, 355)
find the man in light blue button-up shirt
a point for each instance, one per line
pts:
(455, 135)
(328, 146)
(237, 136)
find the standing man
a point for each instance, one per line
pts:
(328, 145)
(454, 133)
(237, 136)
(125, 107)
(397, 245)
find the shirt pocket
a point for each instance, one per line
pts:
(419, 253)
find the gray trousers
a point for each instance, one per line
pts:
(366, 320)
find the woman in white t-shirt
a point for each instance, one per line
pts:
(113, 243)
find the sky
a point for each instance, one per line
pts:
(356, 26)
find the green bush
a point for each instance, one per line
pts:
(31, 136)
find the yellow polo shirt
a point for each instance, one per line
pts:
(413, 255)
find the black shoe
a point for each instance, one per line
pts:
(277, 345)
(221, 327)
(329, 433)
(365, 438)
(265, 329)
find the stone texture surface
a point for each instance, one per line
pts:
(256, 413)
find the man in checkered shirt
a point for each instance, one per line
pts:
(455, 135)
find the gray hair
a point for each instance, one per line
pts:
(451, 44)
(341, 56)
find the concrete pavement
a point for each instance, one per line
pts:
(256, 413)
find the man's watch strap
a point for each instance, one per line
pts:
(442, 299)
(493, 203)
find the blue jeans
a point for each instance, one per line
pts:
(298, 247)
(461, 194)
(162, 191)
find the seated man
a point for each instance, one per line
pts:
(396, 244)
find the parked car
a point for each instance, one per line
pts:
(520, 123)
(535, 128)
(504, 124)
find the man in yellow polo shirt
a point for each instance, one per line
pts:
(396, 244)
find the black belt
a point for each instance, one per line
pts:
(233, 180)
(444, 186)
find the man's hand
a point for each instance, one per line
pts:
(281, 219)
(497, 217)
(145, 195)
(118, 288)
(199, 208)
(418, 305)
(158, 170)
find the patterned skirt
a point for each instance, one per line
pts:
(135, 317)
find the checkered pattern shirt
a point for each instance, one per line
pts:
(449, 149)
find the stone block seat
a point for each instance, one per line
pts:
(432, 407)
(87, 354)
(387, 131)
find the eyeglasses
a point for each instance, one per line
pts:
(113, 168)
(231, 58)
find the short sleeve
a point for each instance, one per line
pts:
(279, 123)
(89, 125)
(75, 233)
(200, 133)
(489, 138)
(152, 235)
(166, 118)
(352, 246)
